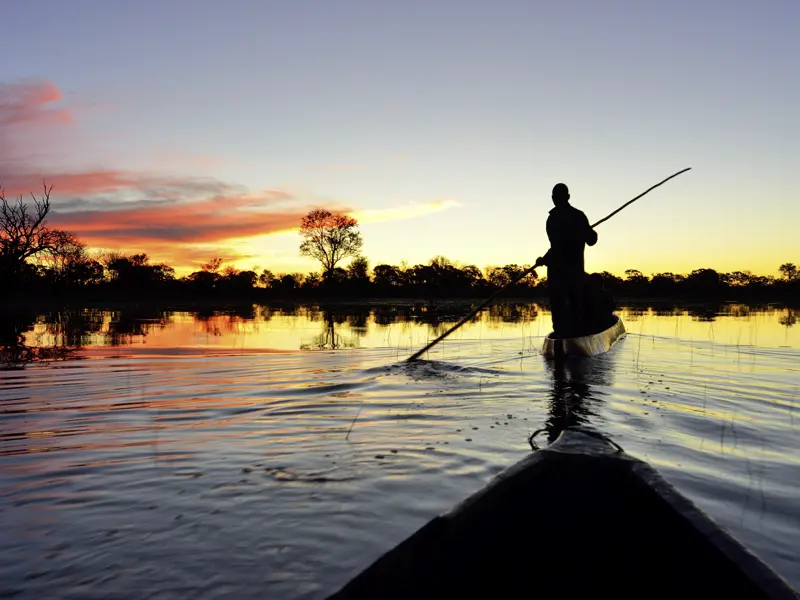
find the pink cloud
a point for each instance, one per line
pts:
(28, 102)
(68, 184)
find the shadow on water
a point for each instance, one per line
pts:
(574, 395)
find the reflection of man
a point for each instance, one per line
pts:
(573, 401)
(568, 230)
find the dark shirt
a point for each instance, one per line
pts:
(568, 230)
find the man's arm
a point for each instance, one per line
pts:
(544, 260)
(591, 234)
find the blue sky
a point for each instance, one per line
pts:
(447, 122)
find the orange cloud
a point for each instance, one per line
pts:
(186, 258)
(195, 221)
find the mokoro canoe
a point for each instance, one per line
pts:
(580, 519)
(587, 345)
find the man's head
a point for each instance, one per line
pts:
(560, 194)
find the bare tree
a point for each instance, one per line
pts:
(24, 233)
(66, 251)
(329, 237)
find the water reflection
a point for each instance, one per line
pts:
(28, 335)
(573, 395)
(228, 320)
(789, 319)
(328, 338)
(16, 350)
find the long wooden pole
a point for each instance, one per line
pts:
(606, 218)
(483, 304)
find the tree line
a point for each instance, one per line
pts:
(37, 261)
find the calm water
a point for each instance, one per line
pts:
(183, 455)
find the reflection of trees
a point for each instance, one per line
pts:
(665, 309)
(440, 318)
(242, 312)
(328, 338)
(437, 317)
(705, 313)
(237, 319)
(69, 328)
(572, 397)
(124, 325)
(230, 319)
(388, 314)
(512, 312)
(738, 310)
(15, 352)
(358, 320)
(263, 313)
(205, 317)
(789, 319)
(634, 312)
(30, 335)
(27, 337)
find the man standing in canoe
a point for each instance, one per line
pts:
(569, 231)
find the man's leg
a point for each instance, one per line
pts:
(559, 310)
(576, 312)
(573, 308)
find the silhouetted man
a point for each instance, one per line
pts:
(569, 231)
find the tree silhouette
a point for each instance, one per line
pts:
(706, 282)
(635, 277)
(388, 279)
(266, 278)
(135, 272)
(24, 233)
(497, 276)
(663, 284)
(789, 271)
(359, 269)
(329, 237)
(358, 275)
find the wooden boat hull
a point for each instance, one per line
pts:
(587, 345)
(578, 519)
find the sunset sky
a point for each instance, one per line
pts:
(189, 129)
